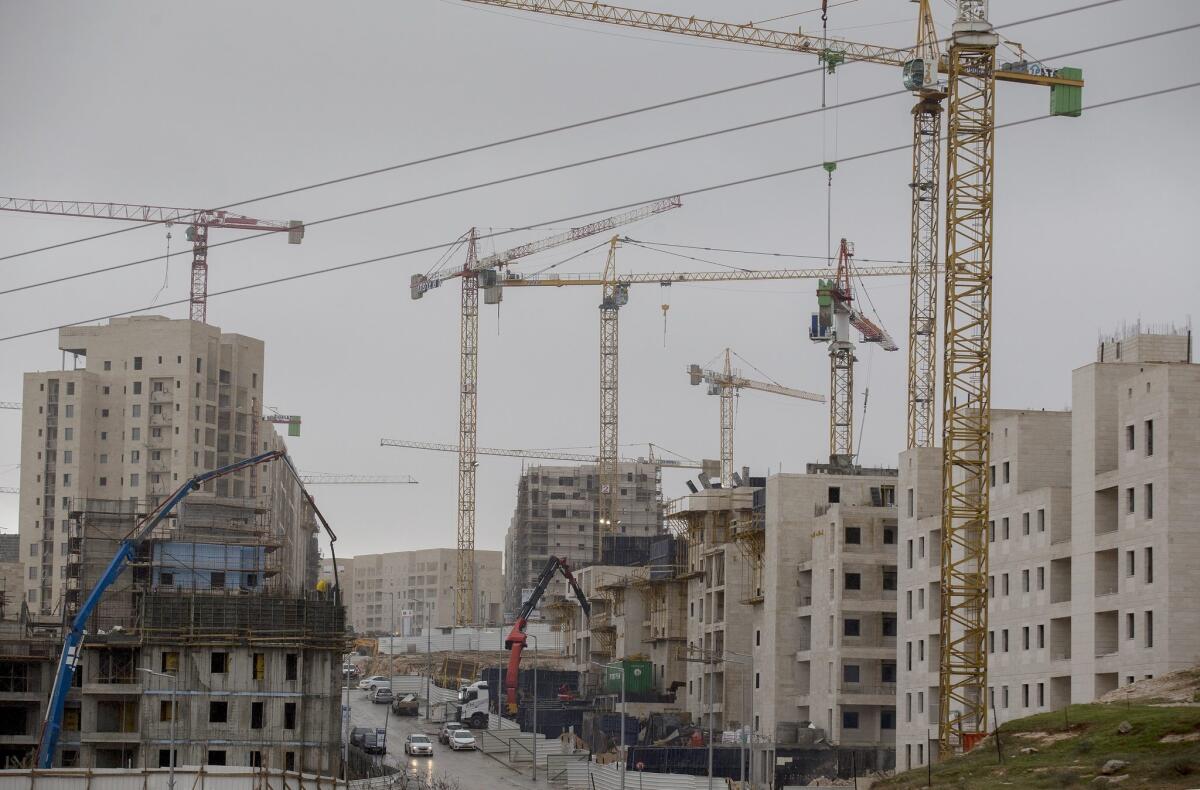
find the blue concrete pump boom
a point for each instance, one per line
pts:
(69, 659)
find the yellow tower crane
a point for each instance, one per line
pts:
(474, 269)
(727, 383)
(971, 73)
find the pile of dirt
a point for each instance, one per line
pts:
(1173, 687)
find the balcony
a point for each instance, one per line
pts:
(162, 396)
(868, 690)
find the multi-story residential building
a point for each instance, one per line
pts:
(221, 598)
(411, 586)
(824, 640)
(1083, 596)
(155, 402)
(557, 514)
(12, 576)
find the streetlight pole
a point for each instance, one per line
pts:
(174, 715)
(535, 703)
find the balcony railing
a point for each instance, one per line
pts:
(877, 690)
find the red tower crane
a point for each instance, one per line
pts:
(197, 220)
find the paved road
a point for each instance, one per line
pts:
(472, 770)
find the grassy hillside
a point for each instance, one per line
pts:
(1162, 750)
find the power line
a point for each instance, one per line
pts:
(510, 140)
(606, 210)
(560, 168)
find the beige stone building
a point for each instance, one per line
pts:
(411, 585)
(1093, 531)
(824, 640)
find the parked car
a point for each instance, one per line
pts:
(418, 744)
(448, 728)
(374, 680)
(370, 740)
(380, 695)
(406, 705)
(462, 740)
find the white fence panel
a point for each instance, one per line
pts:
(189, 776)
(582, 776)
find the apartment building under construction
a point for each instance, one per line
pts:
(215, 629)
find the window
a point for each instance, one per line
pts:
(135, 410)
(217, 580)
(889, 624)
(853, 581)
(889, 578)
(289, 761)
(1149, 438)
(1149, 565)
(1025, 524)
(908, 656)
(908, 707)
(835, 495)
(910, 503)
(66, 480)
(851, 627)
(165, 712)
(68, 434)
(853, 535)
(289, 715)
(1149, 629)
(1129, 439)
(1025, 580)
(1024, 695)
(757, 638)
(219, 663)
(1025, 637)
(1004, 584)
(217, 757)
(169, 662)
(991, 532)
(887, 672)
(1129, 625)
(1041, 577)
(164, 758)
(135, 480)
(920, 702)
(920, 754)
(108, 364)
(68, 410)
(1005, 522)
(850, 673)
(1004, 640)
(920, 597)
(1007, 477)
(992, 475)
(756, 680)
(991, 586)
(1130, 501)
(218, 712)
(256, 715)
(921, 547)
(909, 547)
(1148, 496)
(198, 363)
(1041, 520)
(908, 609)
(887, 719)
(849, 720)
(1041, 632)
(135, 456)
(291, 666)
(135, 434)
(260, 666)
(137, 365)
(1004, 696)
(1130, 563)
(137, 388)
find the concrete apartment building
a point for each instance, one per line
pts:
(1083, 594)
(824, 640)
(12, 576)
(221, 597)
(556, 514)
(414, 585)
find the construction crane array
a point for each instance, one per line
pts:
(726, 383)
(488, 268)
(831, 324)
(971, 72)
(198, 222)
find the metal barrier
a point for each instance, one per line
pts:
(556, 765)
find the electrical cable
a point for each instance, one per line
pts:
(895, 261)
(610, 209)
(551, 170)
(525, 137)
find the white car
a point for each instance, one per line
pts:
(374, 680)
(448, 729)
(462, 739)
(417, 744)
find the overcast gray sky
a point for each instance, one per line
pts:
(174, 104)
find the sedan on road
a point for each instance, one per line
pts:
(380, 695)
(374, 680)
(418, 744)
(462, 740)
(447, 730)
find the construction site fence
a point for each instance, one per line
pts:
(593, 776)
(548, 638)
(192, 777)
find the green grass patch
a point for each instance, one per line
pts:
(1073, 744)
